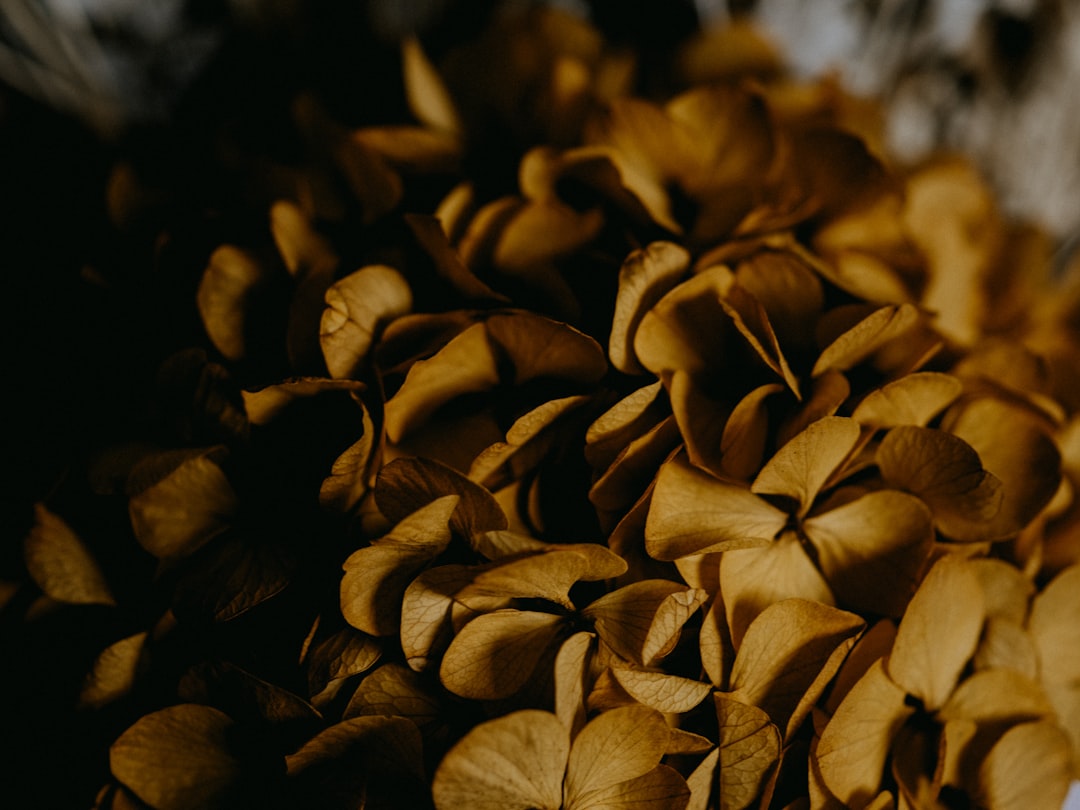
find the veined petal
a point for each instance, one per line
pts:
(693, 513)
(514, 762)
(938, 633)
(752, 579)
(800, 468)
(854, 746)
(615, 746)
(872, 550)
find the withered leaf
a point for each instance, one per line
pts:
(642, 621)
(694, 513)
(229, 284)
(670, 694)
(375, 761)
(1030, 766)
(751, 579)
(867, 336)
(394, 690)
(60, 563)
(616, 746)
(946, 473)
(406, 484)
(787, 657)
(801, 467)
(426, 93)
(357, 307)
(854, 746)
(494, 655)
(646, 275)
(571, 676)
(914, 399)
(376, 576)
(185, 510)
(340, 656)
(872, 549)
(114, 672)
(938, 633)
(513, 762)
(749, 748)
(180, 757)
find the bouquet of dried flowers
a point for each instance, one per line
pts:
(562, 445)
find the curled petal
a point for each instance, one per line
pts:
(646, 275)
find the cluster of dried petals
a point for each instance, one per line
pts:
(707, 462)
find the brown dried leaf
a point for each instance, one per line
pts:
(801, 467)
(1015, 448)
(867, 336)
(60, 563)
(495, 654)
(357, 307)
(178, 758)
(376, 576)
(642, 621)
(340, 656)
(467, 364)
(938, 633)
(615, 746)
(114, 672)
(270, 402)
(854, 747)
(872, 550)
(914, 399)
(426, 627)
(788, 655)
(669, 694)
(406, 484)
(571, 677)
(752, 579)
(426, 93)
(1030, 766)
(514, 762)
(185, 510)
(686, 329)
(231, 281)
(946, 473)
(645, 277)
(693, 513)
(393, 690)
(749, 748)
(1054, 629)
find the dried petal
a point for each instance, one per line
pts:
(872, 550)
(938, 633)
(788, 655)
(357, 307)
(749, 748)
(1030, 766)
(514, 762)
(946, 473)
(854, 746)
(615, 746)
(914, 399)
(645, 277)
(641, 621)
(60, 563)
(801, 467)
(693, 513)
(495, 654)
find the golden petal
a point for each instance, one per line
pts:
(867, 336)
(693, 513)
(872, 550)
(752, 579)
(947, 474)
(645, 277)
(800, 468)
(788, 655)
(854, 747)
(914, 399)
(357, 307)
(939, 632)
(749, 746)
(615, 746)
(60, 563)
(1030, 766)
(513, 762)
